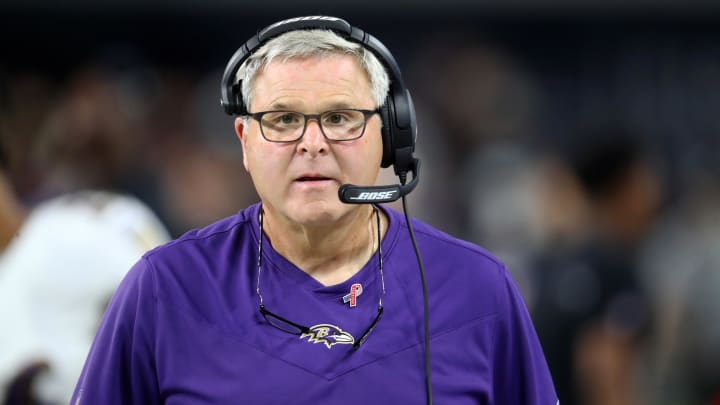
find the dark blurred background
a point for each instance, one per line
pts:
(578, 141)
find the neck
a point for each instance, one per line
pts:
(12, 214)
(329, 253)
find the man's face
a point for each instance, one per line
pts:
(299, 181)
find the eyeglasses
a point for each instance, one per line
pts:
(336, 125)
(289, 326)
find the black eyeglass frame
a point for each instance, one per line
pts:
(257, 116)
(302, 329)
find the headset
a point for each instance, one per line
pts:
(399, 130)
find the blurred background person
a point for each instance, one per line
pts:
(62, 257)
(481, 118)
(197, 170)
(680, 269)
(592, 312)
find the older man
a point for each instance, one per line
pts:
(303, 298)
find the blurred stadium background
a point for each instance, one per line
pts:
(579, 141)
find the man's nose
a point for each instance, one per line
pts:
(313, 141)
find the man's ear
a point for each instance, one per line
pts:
(240, 131)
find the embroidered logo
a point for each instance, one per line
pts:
(328, 334)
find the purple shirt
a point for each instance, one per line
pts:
(184, 328)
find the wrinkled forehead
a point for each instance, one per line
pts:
(315, 56)
(320, 81)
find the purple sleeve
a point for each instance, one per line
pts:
(120, 366)
(521, 374)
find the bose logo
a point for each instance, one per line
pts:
(376, 195)
(298, 19)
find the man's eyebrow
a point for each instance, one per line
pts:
(339, 105)
(280, 106)
(335, 105)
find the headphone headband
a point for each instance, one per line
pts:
(309, 22)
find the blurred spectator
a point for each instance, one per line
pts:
(681, 269)
(197, 160)
(140, 131)
(61, 261)
(591, 313)
(91, 136)
(24, 103)
(484, 106)
(475, 113)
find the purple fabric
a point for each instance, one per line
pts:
(184, 328)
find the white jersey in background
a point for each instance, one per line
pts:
(56, 277)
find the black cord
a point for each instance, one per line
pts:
(426, 308)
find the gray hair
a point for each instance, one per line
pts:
(302, 43)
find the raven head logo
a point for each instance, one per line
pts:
(328, 334)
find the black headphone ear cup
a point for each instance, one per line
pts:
(388, 156)
(239, 107)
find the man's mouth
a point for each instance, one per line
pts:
(310, 179)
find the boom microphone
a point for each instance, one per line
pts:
(352, 194)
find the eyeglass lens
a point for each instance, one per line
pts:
(336, 125)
